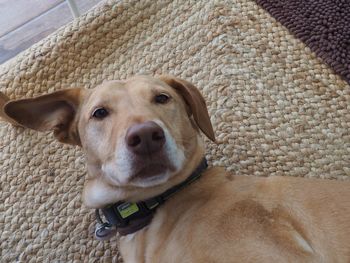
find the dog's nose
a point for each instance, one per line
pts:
(145, 138)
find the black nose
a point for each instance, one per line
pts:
(145, 138)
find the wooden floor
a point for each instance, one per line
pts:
(25, 22)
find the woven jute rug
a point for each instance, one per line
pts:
(276, 108)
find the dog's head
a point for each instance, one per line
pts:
(140, 136)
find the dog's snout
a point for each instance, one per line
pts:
(145, 138)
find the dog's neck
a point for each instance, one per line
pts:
(128, 217)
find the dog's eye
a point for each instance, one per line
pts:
(100, 113)
(162, 98)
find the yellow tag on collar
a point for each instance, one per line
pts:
(127, 209)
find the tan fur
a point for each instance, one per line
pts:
(249, 219)
(220, 217)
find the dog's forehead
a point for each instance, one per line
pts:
(144, 83)
(106, 90)
(135, 87)
(141, 84)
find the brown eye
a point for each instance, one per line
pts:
(100, 113)
(161, 98)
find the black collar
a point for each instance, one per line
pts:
(127, 218)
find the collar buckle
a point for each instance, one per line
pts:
(103, 230)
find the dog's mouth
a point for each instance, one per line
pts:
(150, 170)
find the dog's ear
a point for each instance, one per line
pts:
(194, 100)
(52, 112)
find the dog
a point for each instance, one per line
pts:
(147, 174)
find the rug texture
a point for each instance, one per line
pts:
(324, 25)
(276, 109)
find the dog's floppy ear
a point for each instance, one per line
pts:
(52, 112)
(194, 100)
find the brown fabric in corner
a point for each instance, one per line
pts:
(324, 26)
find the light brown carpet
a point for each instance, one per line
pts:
(276, 109)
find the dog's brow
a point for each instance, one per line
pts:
(158, 89)
(104, 102)
(106, 97)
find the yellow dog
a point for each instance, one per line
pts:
(147, 172)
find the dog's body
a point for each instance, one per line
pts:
(141, 137)
(248, 219)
